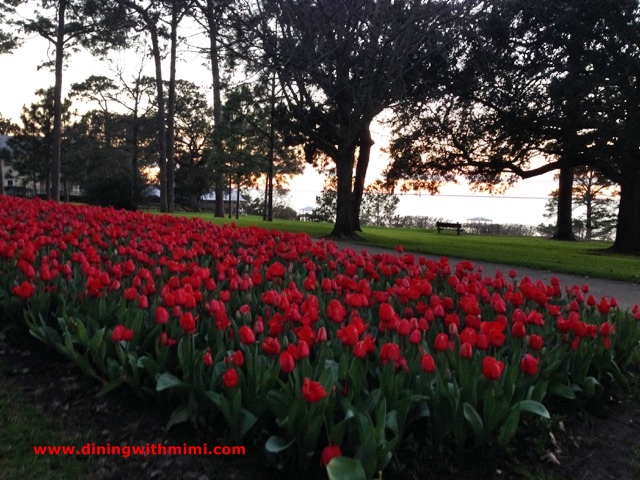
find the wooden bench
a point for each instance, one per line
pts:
(445, 225)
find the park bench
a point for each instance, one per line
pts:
(446, 225)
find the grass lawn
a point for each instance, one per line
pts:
(24, 425)
(590, 258)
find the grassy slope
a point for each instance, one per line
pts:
(582, 258)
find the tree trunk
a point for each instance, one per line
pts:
(162, 150)
(272, 142)
(589, 222)
(364, 154)
(56, 140)
(564, 224)
(212, 20)
(343, 228)
(171, 109)
(134, 160)
(628, 227)
(265, 203)
(238, 201)
(229, 199)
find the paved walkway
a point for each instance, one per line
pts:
(627, 294)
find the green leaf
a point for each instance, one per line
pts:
(167, 381)
(82, 332)
(392, 422)
(539, 391)
(179, 415)
(534, 407)
(589, 386)
(97, 339)
(330, 373)
(563, 391)
(246, 421)
(149, 364)
(510, 426)
(276, 444)
(345, 468)
(473, 417)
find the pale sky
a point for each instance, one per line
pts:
(524, 203)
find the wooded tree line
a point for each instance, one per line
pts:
(478, 89)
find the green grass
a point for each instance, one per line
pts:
(590, 258)
(23, 425)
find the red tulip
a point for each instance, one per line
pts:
(360, 350)
(529, 364)
(336, 311)
(25, 290)
(143, 302)
(230, 378)
(536, 342)
(427, 363)
(207, 359)
(390, 351)
(348, 335)
(303, 350)
(442, 342)
(491, 368)
(287, 363)
(247, 336)
(122, 333)
(275, 270)
(328, 453)
(415, 337)
(313, 391)
(271, 346)
(321, 336)
(187, 322)
(237, 358)
(466, 350)
(162, 316)
(518, 330)
(386, 313)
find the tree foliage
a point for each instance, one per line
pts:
(551, 79)
(594, 199)
(9, 39)
(30, 146)
(378, 204)
(340, 64)
(68, 25)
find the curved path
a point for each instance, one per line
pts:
(626, 294)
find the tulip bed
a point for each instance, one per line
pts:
(335, 354)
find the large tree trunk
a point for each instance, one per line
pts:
(171, 109)
(162, 149)
(56, 140)
(364, 154)
(212, 20)
(564, 224)
(628, 227)
(272, 143)
(343, 228)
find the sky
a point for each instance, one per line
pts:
(523, 204)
